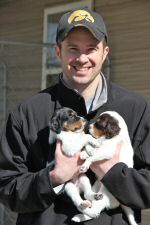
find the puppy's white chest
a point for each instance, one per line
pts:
(71, 142)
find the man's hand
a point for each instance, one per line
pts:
(100, 168)
(65, 167)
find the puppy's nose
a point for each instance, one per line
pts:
(86, 129)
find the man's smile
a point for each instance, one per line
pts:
(81, 69)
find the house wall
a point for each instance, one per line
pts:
(22, 22)
(128, 23)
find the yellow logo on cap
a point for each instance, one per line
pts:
(80, 15)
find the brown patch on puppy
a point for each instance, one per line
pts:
(105, 125)
(77, 125)
(97, 132)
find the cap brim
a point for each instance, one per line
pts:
(98, 35)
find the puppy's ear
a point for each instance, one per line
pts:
(55, 125)
(112, 129)
(102, 122)
(52, 137)
(109, 125)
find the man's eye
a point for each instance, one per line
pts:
(72, 49)
(92, 49)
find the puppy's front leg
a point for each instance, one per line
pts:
(90, 150)
(92, 141)
(100, 154)
(86, 165)
(84, 155)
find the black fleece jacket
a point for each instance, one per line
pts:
(25, 186)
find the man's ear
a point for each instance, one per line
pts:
(105, 53)
(57, 48)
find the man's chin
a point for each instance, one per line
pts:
(81, 80)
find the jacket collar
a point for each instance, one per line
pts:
(68, 97)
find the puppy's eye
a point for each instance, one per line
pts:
(72, 114)
(98, 126)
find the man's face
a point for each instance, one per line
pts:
(81, 56)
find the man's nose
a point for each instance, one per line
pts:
(82, 58)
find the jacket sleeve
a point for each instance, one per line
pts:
(131, 186)
(21, 189)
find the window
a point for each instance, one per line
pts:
(50, 63)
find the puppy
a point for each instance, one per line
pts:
(109, 129)
(68, 127)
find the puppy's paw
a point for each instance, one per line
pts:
(84, 168)
(98, 196)
(76, 219)
(85, 204)
(80, 217)
(83, 155)
(93, 213)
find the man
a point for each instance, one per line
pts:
(35, 191)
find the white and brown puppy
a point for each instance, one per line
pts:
(109, 129)
(68, 127)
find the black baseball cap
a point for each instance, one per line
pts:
(81, 17)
